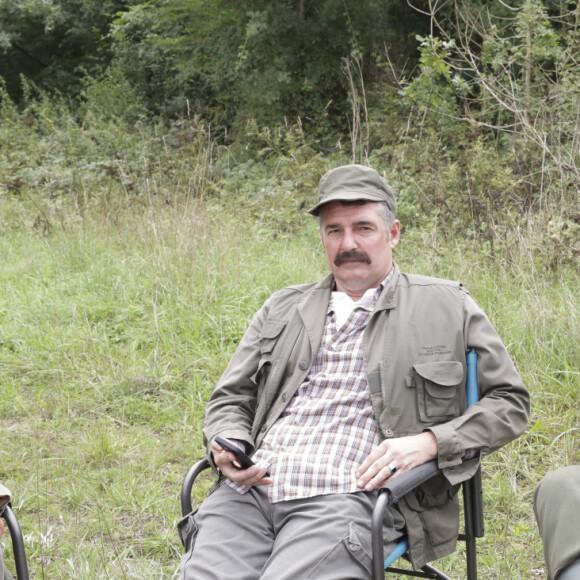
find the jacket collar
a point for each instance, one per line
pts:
(311, 305)
(387, 300)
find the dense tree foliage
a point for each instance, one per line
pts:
(476, 101)
(258, 59)
(55, 43)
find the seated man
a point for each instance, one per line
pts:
(339, 386)
(557, 510)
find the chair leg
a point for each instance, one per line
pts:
(17, 543)
(471, 558)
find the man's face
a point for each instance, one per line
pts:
(358, 245)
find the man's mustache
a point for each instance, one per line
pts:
(351, 255)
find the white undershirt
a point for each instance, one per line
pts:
(344, 305)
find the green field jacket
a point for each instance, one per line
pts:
(415, 345)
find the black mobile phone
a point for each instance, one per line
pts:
(241, 457)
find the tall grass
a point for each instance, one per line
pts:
(112, 336)
(122, 300)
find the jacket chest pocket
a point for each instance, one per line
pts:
(438, 389)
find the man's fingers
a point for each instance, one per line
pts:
(252, 476)
(377, 476)
(375, 459)
(393, 457)
(227, 464)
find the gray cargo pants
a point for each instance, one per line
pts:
(245, 537)
(557, 509)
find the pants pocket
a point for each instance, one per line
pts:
(187, 529)
(359, 546)
(351, 555)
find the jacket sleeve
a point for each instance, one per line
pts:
(502, 413)
(231, 408)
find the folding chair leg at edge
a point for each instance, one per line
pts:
(471, 558)
(17, 543)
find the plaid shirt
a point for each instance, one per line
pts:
(329, 427)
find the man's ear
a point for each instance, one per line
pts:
(395, 234)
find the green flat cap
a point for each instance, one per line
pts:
(351, 183)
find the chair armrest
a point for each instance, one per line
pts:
(17, 543)
(388, 495)
(187, 485)
(408, 481)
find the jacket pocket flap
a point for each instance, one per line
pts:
(272, 328)
(444, 373)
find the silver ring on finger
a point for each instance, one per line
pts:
(393, 468)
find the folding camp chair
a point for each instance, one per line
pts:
(472, 506)
(17, 542)
(391, 493)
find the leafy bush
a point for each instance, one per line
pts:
(105, 152)
(515, 79)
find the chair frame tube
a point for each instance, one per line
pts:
(17, 543)
(187, 484)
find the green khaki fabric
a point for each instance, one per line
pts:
(353, 183)
(557, 510)
(414, 353)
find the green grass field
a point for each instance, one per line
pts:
(113, 331)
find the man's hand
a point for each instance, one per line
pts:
(393, 457)
(225, 462)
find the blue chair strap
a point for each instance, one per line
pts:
(400, 549)
(471, 382)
